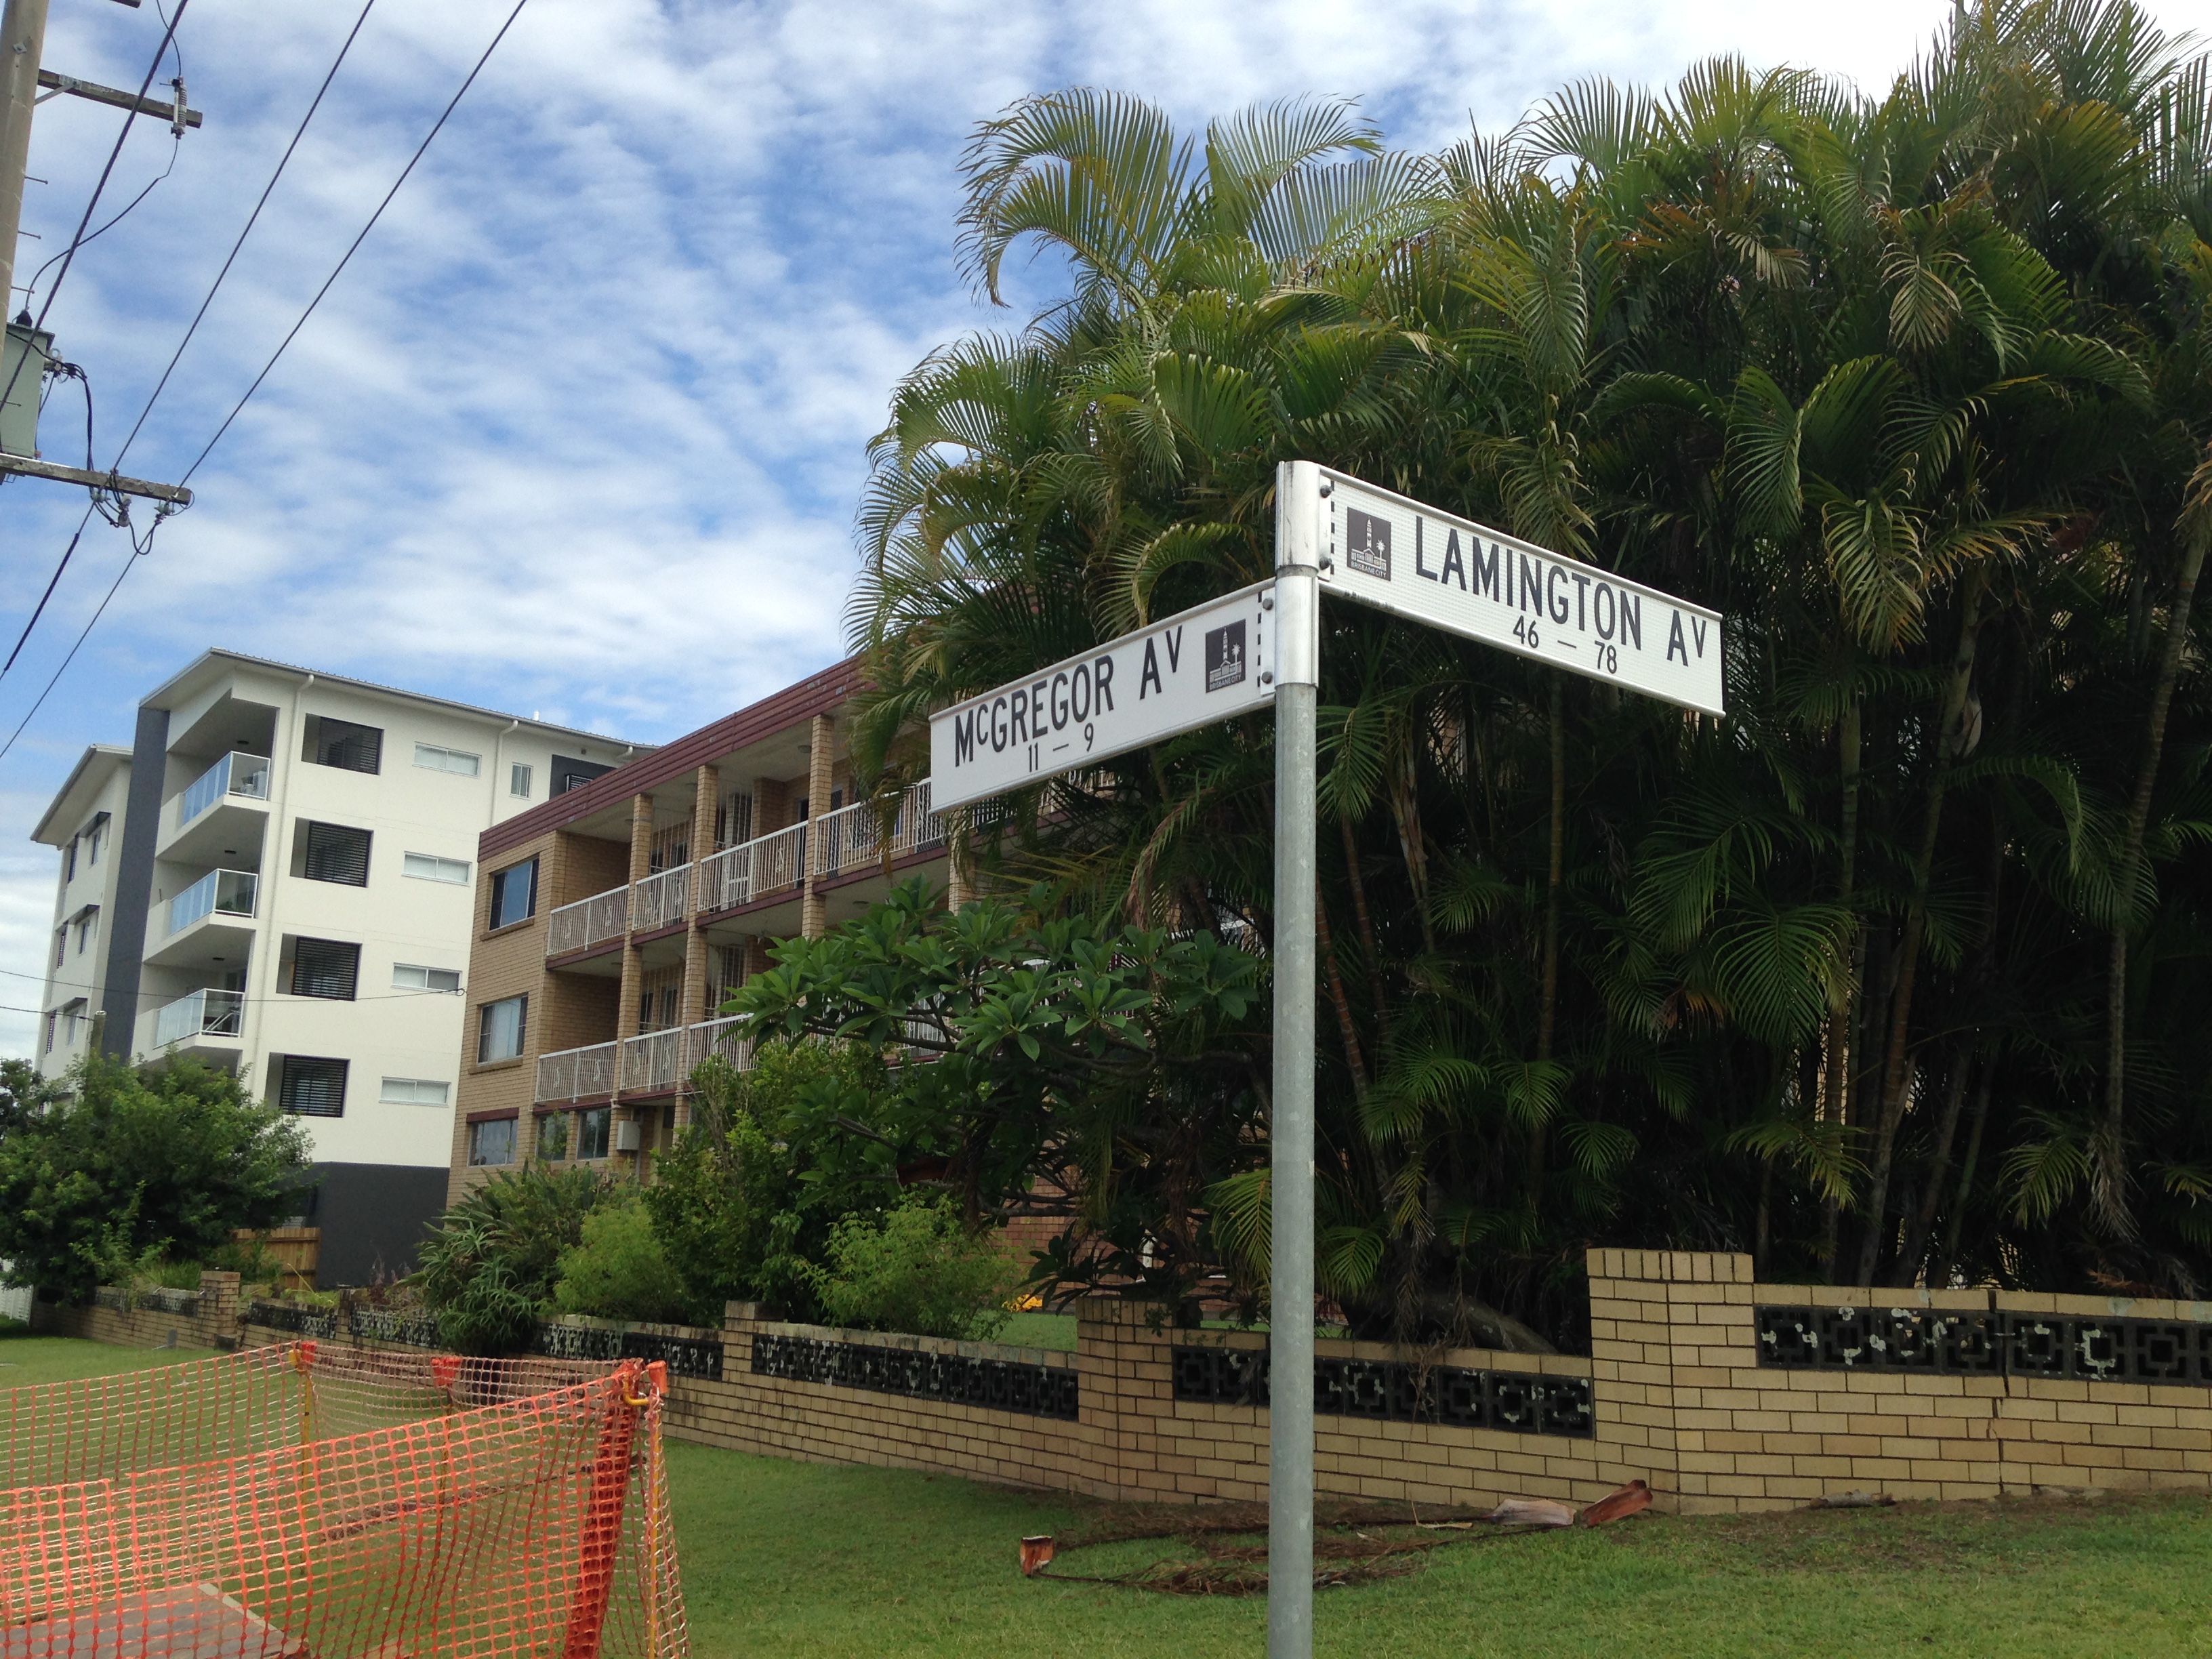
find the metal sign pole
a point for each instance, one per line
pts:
(1291, 1129)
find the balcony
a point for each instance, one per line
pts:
(599, 920)
(219, 892)
(222, 811)
(661, 901)
(235, 774)
(208, 927)
(852, 837)
(653, 1062)
(207, 1013)
(587, 1073)
(764, 867)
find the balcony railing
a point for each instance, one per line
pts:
(760, 868)
(587, 922)
(578, 1073)
(661, 901)
(715, 1038)
(202, 1013)
(235, 774)
(653, 1062)
(228, 893)
(852, 837)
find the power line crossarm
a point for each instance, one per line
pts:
(117, 98)
(113, 482)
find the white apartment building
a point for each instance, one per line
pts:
(279, 876)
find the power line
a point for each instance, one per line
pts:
(213, 288)
(139, 548)
(436, 127)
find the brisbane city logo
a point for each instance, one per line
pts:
(1367, 542)
(1225, 655)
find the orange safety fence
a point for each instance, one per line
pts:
(491, 1518)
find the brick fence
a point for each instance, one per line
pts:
(1722, 1393)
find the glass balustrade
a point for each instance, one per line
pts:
(227, 892)
(202, 1013)
(235, 774)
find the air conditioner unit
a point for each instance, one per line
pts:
(22, 385)
(627, 1138)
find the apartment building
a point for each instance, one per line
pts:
(612, 923)
(279, 877)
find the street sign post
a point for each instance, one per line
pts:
(1334, 534)
(1386, 550)
(1182, 672)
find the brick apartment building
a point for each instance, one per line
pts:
(612, 921)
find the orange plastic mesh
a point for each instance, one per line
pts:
(497, 1522)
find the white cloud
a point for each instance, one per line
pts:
(581, 428)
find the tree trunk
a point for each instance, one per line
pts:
(1366, 922)
(1836, 1089)
(1547, 1012)
(1966, 1170)
(1897, 1070)
(1924, 1219)
(2108, 1181)
(1326, 945)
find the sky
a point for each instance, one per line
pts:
(579, 431)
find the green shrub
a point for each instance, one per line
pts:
(116, 1170)
(619, 1270)
(489, 1267)
(918, 1271)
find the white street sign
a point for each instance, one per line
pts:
(1450, 573)
(1187, 670)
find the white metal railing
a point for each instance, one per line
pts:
(587, 922)
(661, 900)
(578, 1073)
(852, 837)
(652, 1061)
(763, 867)
(715, 1037)
(235, 774)
(229, 891)
(207, 1012)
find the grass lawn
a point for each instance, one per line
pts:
(806, 1561)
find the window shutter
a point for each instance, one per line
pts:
(352, 748)
(325, 967)
(338, 852)
(313, 1088)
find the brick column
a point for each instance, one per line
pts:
(820, 756)
(221, 1313)
(704, 799)
(1668, 1328)
(1128, 1391)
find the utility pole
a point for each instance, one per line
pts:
(22, 366)
(22, 38)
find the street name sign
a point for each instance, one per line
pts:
(1184, 672)
(1397, 555)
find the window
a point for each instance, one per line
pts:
(406, 976)
(426, 866)
(415, 1091)
(571, 772)
(553, 1137)
(514, 893)
(492, 1141)
(325, 967)
(87, 926)
(69, 862)
(61, 944)
(518, 781)
(73, 1021)
(433, 758)
(592, 1132)
(502, 1027)
(312, 1087)
(50, 1019)
(94, 838)
(333, 851)
(344, 744)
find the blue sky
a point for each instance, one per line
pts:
(580, 430)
